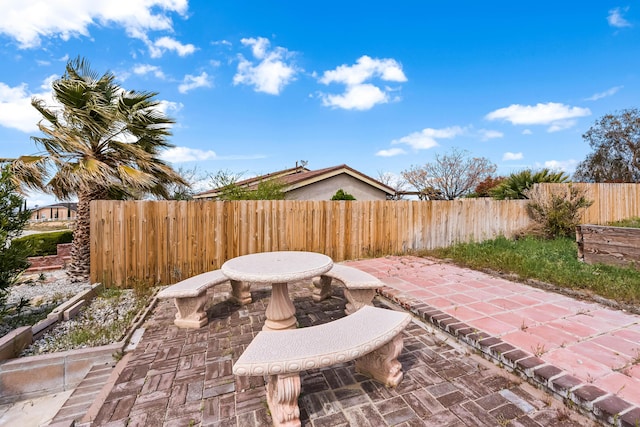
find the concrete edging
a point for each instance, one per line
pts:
(17, 340)
(34, 376)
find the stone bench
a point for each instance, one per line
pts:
(190, 296)
(360, 287)
(371, 336)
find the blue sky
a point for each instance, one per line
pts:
(256, 86)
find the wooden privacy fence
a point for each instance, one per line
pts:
(161, 242)
(611, 202)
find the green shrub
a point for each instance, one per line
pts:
(45, 243)
(558, 211)
(342, 195)
(13, 217)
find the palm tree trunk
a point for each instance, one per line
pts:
(79, 268)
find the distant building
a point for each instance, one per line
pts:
(304, 184)
(57, 212)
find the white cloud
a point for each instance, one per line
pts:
(185, 154)
(527, 132)
(16, 111)
(168, 107)
(487, 134)
(36, 198)
(365, 69)
(604, 94)
(511, 156)
(427, 138)
(222, 43)
(258, 46)
(28, 21)
(568, 166)
(359, 94)
(157, 48)
(615, 18)
(359, 97)
(243, 157)
(557, 115)
(144, 69)
(391, 152)
(271, 73)
(193, 82)
(561, 125)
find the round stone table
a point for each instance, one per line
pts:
(278, 269)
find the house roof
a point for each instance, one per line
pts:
(64, 205)
(300, 177)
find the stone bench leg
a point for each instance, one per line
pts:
(382, 364)
(282, 398)
(322, 288)
(240, 292)
(357, 298)
(191, 312)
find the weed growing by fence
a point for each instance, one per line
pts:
(558, 211)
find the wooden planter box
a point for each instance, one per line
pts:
(608, 245)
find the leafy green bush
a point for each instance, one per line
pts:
(270, 189)
(45, 243)
(342, 195)
(13, 217)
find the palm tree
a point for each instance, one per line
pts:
(515, 186)
(100, 142)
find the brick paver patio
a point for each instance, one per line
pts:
(179, 377)
(584, 351)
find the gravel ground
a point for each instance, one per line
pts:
(102, 322)
(46, 291)
(55, 286)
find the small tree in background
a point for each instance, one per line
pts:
(453, 174)
(270, 189)
(13, 218)
(615, 140)
(515, 186)
(185, 189)
(342, 195)
(484, 188)
(398, 183)
(557, 211)
(226, 182)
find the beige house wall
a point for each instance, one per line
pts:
(325, 189)
(56, 213)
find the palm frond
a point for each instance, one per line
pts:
(30, 172)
